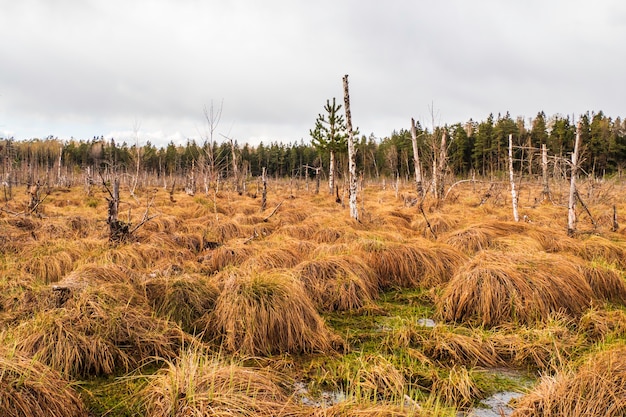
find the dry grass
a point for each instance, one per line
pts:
(599, 248)
(496, 288)
(477, 237)
(411, 264)
(262, 313)
(183, 299)
(100, 330)
(31, 389)
(341, 282)
(223, 256)
(596, 388)
(455, 388)
(199, 385)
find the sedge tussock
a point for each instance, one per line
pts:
(596, 388)
(602, 324)
(54, 339)
(599, 248)
(200, 385)
(496, 288)
(298, 231)
(224, 256)
(95, 274)
(338, 283)
(455, 387)
(51, 260)
(273, 258)
(183, 299)
(438, 224)
(380, 409)
(411, 264)
(376, 378)
(458, 346)
(606, 282)
(547, 346)
(477, 237)
(29, 388)
(99, 330)
(267, 312)
(329, 234)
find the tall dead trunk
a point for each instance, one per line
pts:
(353, 180)
(512, 180)
(416, 160)
(264, 195)
(544, 172)
(439, 168)
(331, 172)
(571, 206)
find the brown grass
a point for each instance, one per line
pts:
(262, 313)
(596, 388)
(199, 385)
(477, 237)
(411, 264)
(100, 330)
(183, 299)
(29, 388)
(496, 288)
(340, 282)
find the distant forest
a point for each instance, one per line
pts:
(478, 148)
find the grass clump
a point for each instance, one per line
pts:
(29, 388)
(267, 312)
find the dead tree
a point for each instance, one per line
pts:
(545, 193)
(512, 180)
(416, 160)
(571, 206)
(353, 179)
(264, 194)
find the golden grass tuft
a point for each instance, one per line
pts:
(341, 282)
(411, 264)
(455, 387)
(29, 388)
(51, 260)
(273, 258)
(376, 378)
(99, 330)
(496, 288)
(96, 274)
(267, 312)
(223, 256)
(200, 385)
(606, 283)
(599, 248)
(477, 237)
(597, 388)
(602, 324)
(183, 299)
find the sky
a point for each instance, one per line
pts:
(139, 70)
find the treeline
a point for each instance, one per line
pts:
(480, 148)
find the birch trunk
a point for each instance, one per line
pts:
(544, 171)
(416, 160)
(512, 180)
(571, 206)
(353, 180)
(331, 173)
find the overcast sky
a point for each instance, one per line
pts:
(84, 68)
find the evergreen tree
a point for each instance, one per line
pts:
(329, 135)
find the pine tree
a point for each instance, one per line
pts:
(329, 135)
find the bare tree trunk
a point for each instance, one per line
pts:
(571, 206)
(264, 195)
(512, 180)
(416, 160)
(353, 180)
(439, 168)
(544, 171)
(331, 172)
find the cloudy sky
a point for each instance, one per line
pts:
(84, 68)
